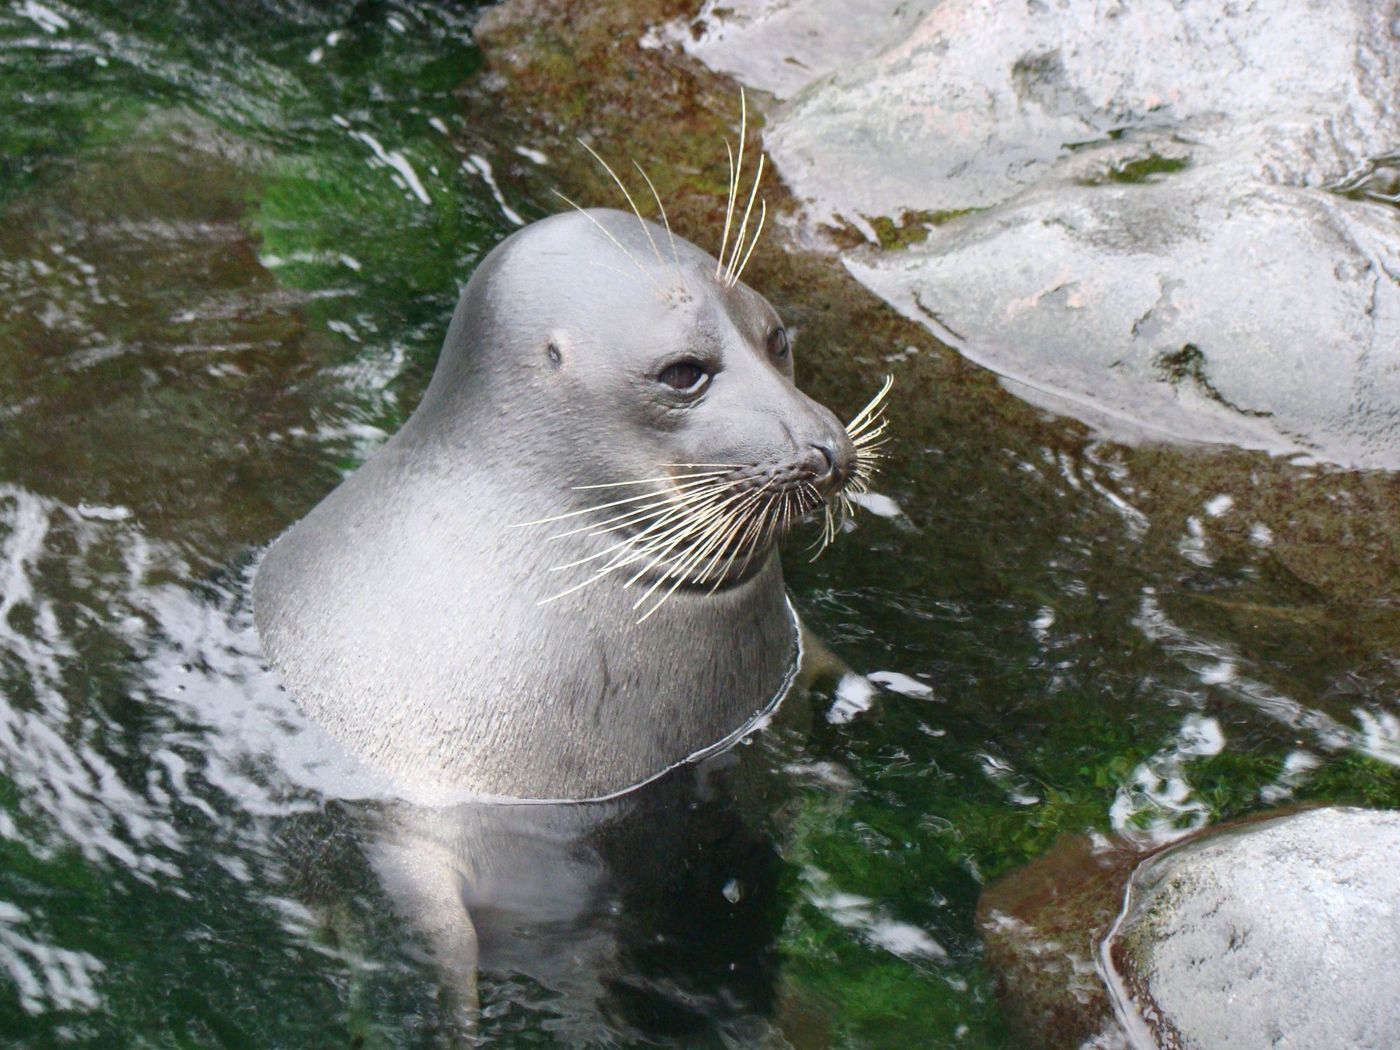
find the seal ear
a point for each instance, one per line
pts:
(556, 348)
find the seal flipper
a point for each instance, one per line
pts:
(422, 877)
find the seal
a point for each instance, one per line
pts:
(560, 578)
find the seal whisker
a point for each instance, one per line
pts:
(679, 570)
(828, 530)
(697, 526)
(865, 471)
(751, 539)
(681, 573)
(757, 532)
(742, 519)
(632, 516)
(669, 519)
(658, 555)
(730, 278)
(870, 447)
(717, 468)
(575, 588)
(762, 215)
(603, 506)
(734, 521)
(873, 411)
(666, 222)
(657, 514)
(866, 416)
(765, 524)
(866, 432)
(860, 480)
(874, 420)
(872, 425)
(818, 548)
(711, 535)
(729, 209)
(665, 513)
(823, 542)
(622, 273)
(679, 496)
(871, 440)
(604, 230)
(670, 530)
(778, 516)
(736, 174)
(680, 578)
(627, 546)
(697, 493)
(592, 525)
(870, 429)
(626, 556)
(704, 524)
(620, 185)
(664, 477)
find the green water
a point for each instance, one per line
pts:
(231, 241)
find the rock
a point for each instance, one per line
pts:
(1284, 933)
(780, 46)
(1040, 924)
(1148, 215)
(978, 101)
(1273, 931)
(1266, 317)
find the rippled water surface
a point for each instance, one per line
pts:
(231, 241)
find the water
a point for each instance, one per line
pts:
(231, 243)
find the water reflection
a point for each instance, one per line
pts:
(654, 916)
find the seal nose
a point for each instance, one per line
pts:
(830, 466)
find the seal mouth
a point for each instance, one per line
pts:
(703, 526)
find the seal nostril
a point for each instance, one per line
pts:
(824, 462)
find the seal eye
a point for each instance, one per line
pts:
(778, 344)
(686, 377)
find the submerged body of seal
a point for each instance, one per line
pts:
(634, 405)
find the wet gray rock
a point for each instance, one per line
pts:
(1277, 931)
(1169, 220)
(1283, 933)
(1268, 317)
(780, 46)
(980, 100)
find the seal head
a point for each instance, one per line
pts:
(559, 578)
